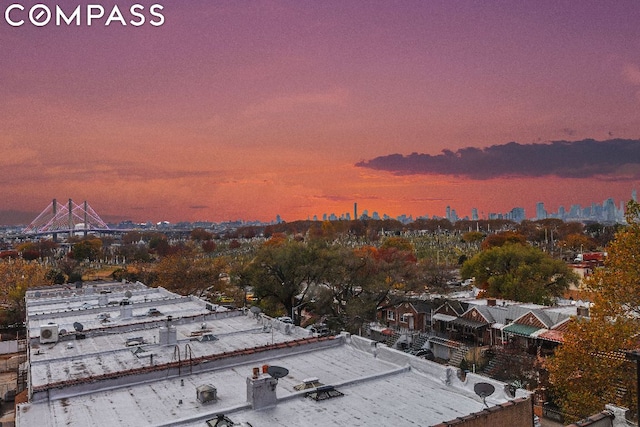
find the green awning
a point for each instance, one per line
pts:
(522, 330)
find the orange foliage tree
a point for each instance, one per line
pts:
(589, 370)
(16, 276)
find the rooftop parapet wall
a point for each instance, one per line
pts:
(46, 293)
(446, 374)
(518, 412)
(212, 362)
(142, 325)
(112, 305)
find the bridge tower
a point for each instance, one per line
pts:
(65, 219)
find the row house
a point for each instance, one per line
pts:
(479, 323)
(527, 325)
(412, 315)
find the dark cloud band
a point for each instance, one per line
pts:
(588, 158)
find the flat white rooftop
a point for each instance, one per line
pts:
(124, 372)
(381, 386)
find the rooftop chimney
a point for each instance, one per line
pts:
(126, 309)
(261, 390)
(103, 299)
(168, 335)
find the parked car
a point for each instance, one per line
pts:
(285, 319)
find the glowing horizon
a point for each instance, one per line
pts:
(230, 111)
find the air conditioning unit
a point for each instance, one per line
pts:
(206, 393)
(48, 333)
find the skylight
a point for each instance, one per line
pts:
(324, 393)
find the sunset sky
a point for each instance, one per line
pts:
(250, 109)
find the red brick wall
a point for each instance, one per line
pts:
(518, 412)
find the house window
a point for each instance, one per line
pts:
(404, 318)
(391, 315)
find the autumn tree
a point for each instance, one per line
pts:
(434, 276)
(589, 370)
(356, 281)
(500, 239)
(519, 272)
(39, 249)
(472, 236)
(209, 246)
(282, 271)
(200, 235)
(578, 242)
(188, 275)
(90, 248)
(70, 268)
(16, 276)
(131, 237)
(134, 252)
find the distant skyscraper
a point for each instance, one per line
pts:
(540, 212)
(355, 211)
(474, 214)
(561, 212)
(609, 207)
(516, 214)
(634, 195)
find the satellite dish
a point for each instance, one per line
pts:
(78, 326)
(277, 372)
(255, 309)
(484, 390)
(38, 294)
(63, 331)
(128, 294)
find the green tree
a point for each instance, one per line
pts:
(589, 370)
(518, 272)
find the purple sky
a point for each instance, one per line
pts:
(240, 109)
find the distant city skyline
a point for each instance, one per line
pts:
(250, 110)
(607, 210)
